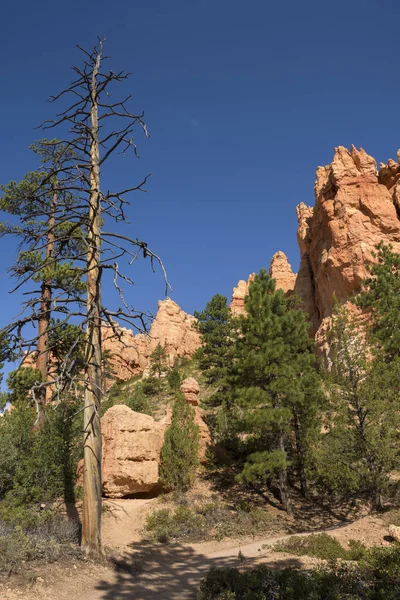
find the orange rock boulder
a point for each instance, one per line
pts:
(132, 444)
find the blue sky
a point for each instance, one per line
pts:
(243, 100)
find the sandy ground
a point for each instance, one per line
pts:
(149, 571)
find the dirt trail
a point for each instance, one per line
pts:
(149, 571)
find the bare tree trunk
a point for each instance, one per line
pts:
(42, 359)
(91, 518)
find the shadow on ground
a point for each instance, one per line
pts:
(152, 571)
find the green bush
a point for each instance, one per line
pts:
(135, 394)
(182, 524)
(139, 401)
(383, 562)
(179, 454)
(37, 465)
(321, 545)
(174, 379)
(261, 583)
(20, 381)
(245, 523)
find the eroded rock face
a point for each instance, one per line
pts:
(132, 444)
(355, 209)
(239, 293)
(191, 390)
(172, 328)
(304, 286)
(281, 271)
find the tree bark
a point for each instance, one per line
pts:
(283, 479)
(42, 359)
(91, 517)
(300, 457)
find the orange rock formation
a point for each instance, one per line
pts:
(129, 354)
(355, 209)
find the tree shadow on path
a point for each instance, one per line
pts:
(153, 571)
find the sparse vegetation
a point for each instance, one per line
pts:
(47, 540)
(331, 583)
(321, 545)
(210, 520)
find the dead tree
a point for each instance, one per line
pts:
(93, 135)
(93, 127)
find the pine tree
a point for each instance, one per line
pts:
(381, 295)
(215, 326)
(179, 454)
(158, 369)
(158, 362)
(360, 446)
(174, 379)
(47, 248)
(274, 387)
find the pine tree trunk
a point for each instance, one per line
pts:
(91, 518)
(42, 359)
(283, 479)
(300, 458)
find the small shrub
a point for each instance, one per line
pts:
(213, 520)
(330, 583)
(392, 517)
(139, 401)
(174, 379)
(47, 540)
(321, 545)
(134, 393)
(183, 524)
(179, 454)
(383, 562)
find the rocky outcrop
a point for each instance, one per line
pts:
(204, 433)
(281, 271)
(128, 354)
(238, 295)
(353, 212)
(355, 208)
(132, 444)
(304, 286)
(394, 532)
(191, 390)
